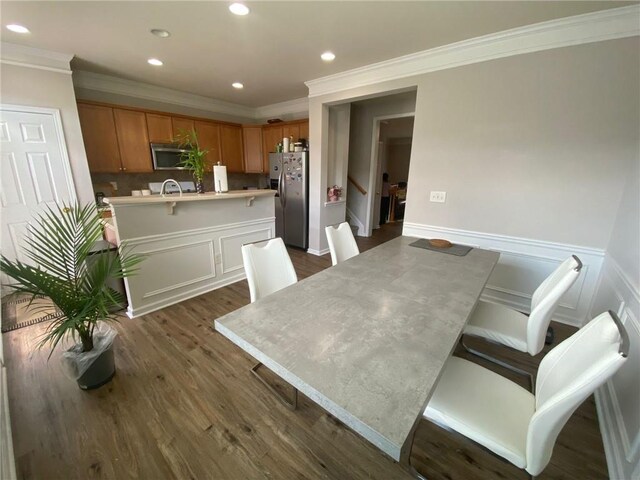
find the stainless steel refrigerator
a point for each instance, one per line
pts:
(289, 177)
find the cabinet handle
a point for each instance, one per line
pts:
(124, 168)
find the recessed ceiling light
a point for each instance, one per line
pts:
(158, 32)
(154, 61)
(239, 9)
(237, 85)
(14, 27)
(327, 56)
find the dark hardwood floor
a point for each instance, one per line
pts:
(184, 405)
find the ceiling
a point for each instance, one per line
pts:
(273, 50)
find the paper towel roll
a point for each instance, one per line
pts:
(220, 178)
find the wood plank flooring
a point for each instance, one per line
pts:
(184, 405)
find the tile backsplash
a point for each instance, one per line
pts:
(125, 182)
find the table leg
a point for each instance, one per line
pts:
(405, 454)
(292, 405)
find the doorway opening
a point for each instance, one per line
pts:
(390, 158)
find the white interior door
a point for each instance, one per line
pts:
(34, 171)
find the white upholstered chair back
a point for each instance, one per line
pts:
(567, 375)
(268, 268)
(545, 300)
(342, 245)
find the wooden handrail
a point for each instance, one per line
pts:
(357, 185)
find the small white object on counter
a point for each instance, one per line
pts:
(220, 181)
(136, 193)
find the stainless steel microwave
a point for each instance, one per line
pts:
(167, 156)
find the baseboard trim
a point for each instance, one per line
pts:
(318, 253)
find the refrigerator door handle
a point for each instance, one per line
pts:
(280, 189)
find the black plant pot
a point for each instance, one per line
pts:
(100, 372)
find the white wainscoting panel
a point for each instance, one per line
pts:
(524, 264)
(618, 401)
(230, 247)
(188, 263)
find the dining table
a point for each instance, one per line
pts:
(367, 339)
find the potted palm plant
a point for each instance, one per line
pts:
(193, 158)
(61, 244)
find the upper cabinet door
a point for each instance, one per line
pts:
(231, 146)
(209, 139)
(159, 127)
(100, 140)
(291, 131)
(133, 140)
(181, 125)
(271, 137)
(252, 139)
(304, 130)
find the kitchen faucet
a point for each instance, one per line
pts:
(168, 180)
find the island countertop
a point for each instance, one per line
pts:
(188, 197)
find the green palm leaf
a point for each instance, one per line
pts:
(60, 244)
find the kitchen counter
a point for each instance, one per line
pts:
(192, 243)
(188, 197)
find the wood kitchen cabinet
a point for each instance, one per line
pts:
(209, 139)
(271, 136)
(180, 124)
(231, 148)
(133, 141)
(304, 130)
(159, 128)
(252, 141)
(291, 131)
(100, 139)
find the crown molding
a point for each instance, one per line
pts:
(291, 107)
(146, 91)
(579, 29)
(13, 54)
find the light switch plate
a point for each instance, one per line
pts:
(438, 197)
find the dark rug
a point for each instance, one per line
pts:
(17, 313)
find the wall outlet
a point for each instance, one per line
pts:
(438, 197)
(114, 185)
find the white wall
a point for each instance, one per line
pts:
(397, 159)
(360, 142)
(619, 401)
(529, 146)
(20, 85)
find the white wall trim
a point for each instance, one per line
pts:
(146, 91)
(120, 86)
(575, 30)
(353, 218)
(533, 260)
(317, 253)
(622, 447)
(13, 54)
(299, 106)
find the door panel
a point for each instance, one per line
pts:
(159, 128)
(100, 140)
(271, 136)
(35, 173)
(181, 125)
(231, 144)
(253, 159)
(209, 139)
(291, 131)
(304, 130)
(133, 140)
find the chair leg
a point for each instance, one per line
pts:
(506, 365)
(292, 405)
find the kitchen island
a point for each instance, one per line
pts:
(191, 242)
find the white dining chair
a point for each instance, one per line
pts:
(510, 421)
(268, 268)
(342, 245)
(511, 328)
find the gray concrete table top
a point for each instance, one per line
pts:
(367, 338)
